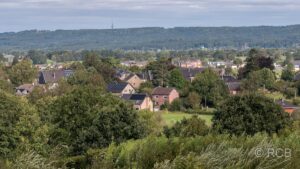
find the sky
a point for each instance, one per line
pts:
(19, 15)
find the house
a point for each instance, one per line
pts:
(234, 87)
(229, 79)
(131, 63)
(24, 89)
(287, 107)
(216, 64)
(190, 73)
(120, 89)
(191, 63)
(162, 95)
(134, 80)
(121, 74)
(52, 77)
(232, 83)
(140, 101)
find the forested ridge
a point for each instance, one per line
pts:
(154, 38)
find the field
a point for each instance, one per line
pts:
(171, 118)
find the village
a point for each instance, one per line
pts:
(127, 84)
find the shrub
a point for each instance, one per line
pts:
(187, 128)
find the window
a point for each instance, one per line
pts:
(165, 97)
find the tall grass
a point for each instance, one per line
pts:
(207, 152)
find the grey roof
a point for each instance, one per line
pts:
(234, 86)
(228, 79)
(53, 76)
(117, 87)
(188, 73)
(120, 72)
(137, 98)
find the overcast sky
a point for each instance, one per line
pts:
(17, 15)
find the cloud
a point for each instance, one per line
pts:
(76, 14)
(152, 4)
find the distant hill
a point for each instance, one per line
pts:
(155, 38)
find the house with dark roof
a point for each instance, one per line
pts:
(229, 79)
(287, 107)
(190, 73)
(24, 89)
(121, 88)
(234, 87)
(233, 84)
(140, 101)
(162, 95)
(121, 74)
(52, 77)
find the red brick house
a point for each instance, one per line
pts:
(161, 95)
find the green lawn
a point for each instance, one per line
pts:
(171, 118)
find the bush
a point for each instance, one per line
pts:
(191, 127)
(296, 115)
(176, 105)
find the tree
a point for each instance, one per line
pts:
(161, 71)
(87, 77)
(193, 100)
(296, 115)
(4, 83)
(249, 114)
(146, 87)
(256, 60)
(37, 93)
(18, 123)
(22, 72)
(37, 57)
(88, 118)
(152, 122)
(2, 58)
(104, 67)
(210, 87)
(261, 78)
(176, 105)
(288, 73)
(238, 61)
(191, 127)
(15, 60)
(176, 79)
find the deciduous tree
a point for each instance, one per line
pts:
(249, 114)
